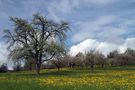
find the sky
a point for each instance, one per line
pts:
(103, 25)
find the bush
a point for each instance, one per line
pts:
(3, 68)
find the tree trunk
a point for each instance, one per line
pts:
(102, 65)
(38, 69)
(92, 68)
(58, 69)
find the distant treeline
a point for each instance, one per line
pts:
(89, 60)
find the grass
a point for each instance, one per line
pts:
(114, 78)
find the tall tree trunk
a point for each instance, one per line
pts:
(92, 68)
(38, 64)
(38, 69)
(102, 65)
(58, 69)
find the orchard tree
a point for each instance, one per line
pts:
(79, 60)
(100, 59)
(59, 57)
(29, 64)
(130, 51)
(90, 59)
(17, 66)
(35, 39)
(113, 54)
(3, 68)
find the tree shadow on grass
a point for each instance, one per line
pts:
(72, 72)
(49, 73)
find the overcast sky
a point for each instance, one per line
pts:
(104, 25)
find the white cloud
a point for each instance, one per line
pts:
(96, 24)
(108, 28)
(95, 28)
(103, 47)
(83, 46)
(3, 53)
(129, 43)
(60, 7)
(57, 8)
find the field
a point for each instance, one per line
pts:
(114, 78)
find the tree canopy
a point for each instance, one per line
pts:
(39, 39)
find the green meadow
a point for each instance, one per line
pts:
(114, 78)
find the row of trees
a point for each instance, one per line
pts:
(89, 60)
(92, 59)
(95, 59)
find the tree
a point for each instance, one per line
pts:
(29, 64)
(113, 54)
(100, 59)
(79, 59)
(58, 60)
(35, 39)
(69, 60)
(3, 68)
(17, 66)
(90, 59)
(124, 59)
(112, 58)
(130, 52)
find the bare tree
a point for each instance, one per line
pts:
(112, 58)
(79, 60)
(124, 59)
(100, 59)
(36, 39)
(90, 59)
(121, 59)
(58, 60)
(113, 54)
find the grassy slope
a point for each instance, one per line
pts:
(27, 80)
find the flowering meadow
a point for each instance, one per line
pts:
(117, 78)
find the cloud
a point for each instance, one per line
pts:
(104, 47)
(58, 9)
(3, 53)
(89, 29)
(101, 2)
(105, 28)
(129, 43)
